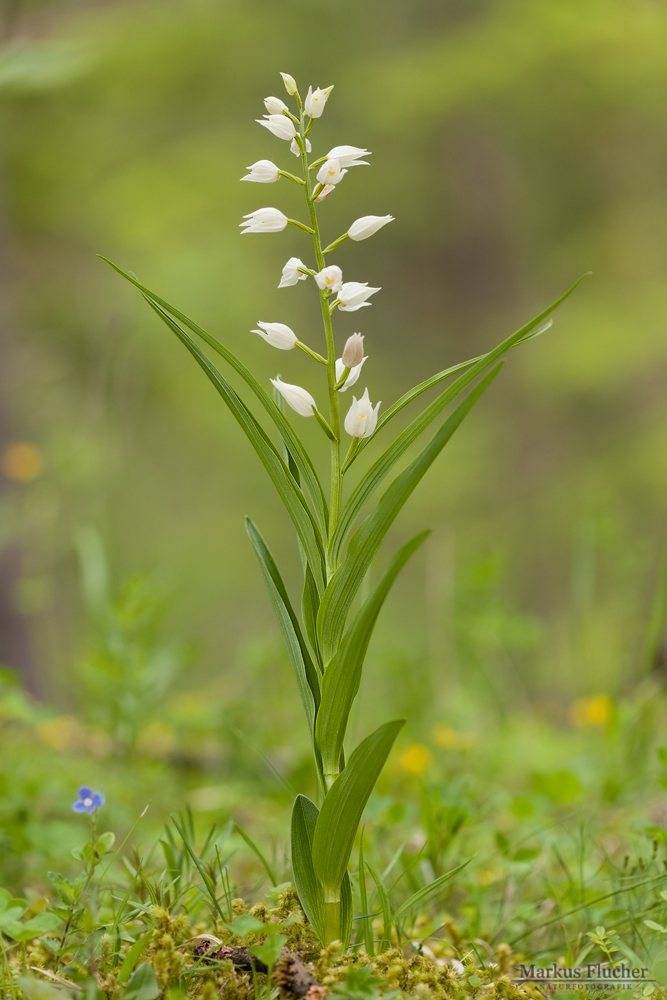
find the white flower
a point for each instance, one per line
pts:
(299, 399)
(294, 148)
(330, 172)
(262, 172)
(355, 372)
(315, 101)
(353, 294)
(348, 156)
(264, 220)
(291, 274)
(274, 105)
(361, 418)
(367, 225)
(330, 277)
(277, 334)
(280, 125)
(325, 192)
(290, 84)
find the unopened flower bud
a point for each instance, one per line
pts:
(290, 84)
(325, 192)
(353, 351)
(264, 220)
(277, 334)
(297, 397)
(274, 105)
(367, 225)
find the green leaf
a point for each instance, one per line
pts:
(525, 333)
(366, 540)
(290, 439)
(43, 923)
(246, 924)
(310, 603)
(656, 927)
(11, 910)
(380, 469)
(423, 894)
(304, 820)
(371, 480)
(284, 482)
(132, 957)
(344, 804)
(306, 674)
(269, 951)
(385, 941)
(346, 910)
(258, 854)
(342, 675)
(143, 985)
(105, 842)
(367, 926)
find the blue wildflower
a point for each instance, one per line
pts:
(88, 801)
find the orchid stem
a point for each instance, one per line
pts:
(334, 422)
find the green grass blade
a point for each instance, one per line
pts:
(282, 479)
(341, 811)
(342, 675)
(419, 897)
(366, 924)
(526, 332)
(304, 820)
(305, 672)
(385, 941)
(206, 878)
(292, 443)
(258, 854)
(366, 540)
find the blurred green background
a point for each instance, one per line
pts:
(518, 145)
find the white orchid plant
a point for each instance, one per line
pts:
(337, 538)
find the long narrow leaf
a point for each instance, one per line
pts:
(304, 820)
(341, 811)
(346, 910)
(526, 332)
(366, 540)
(381, 467)
(310, 603)
(419, 897)
(283, 481)
(342, 675)
(385, 940)
(306, 674)
(290, 439)
(367, 926)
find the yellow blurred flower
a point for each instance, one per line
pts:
(415, 758)
(63, 732)
(450, 739)
(22, 462)
(157, 739)
(488, 877)
(594, 711)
